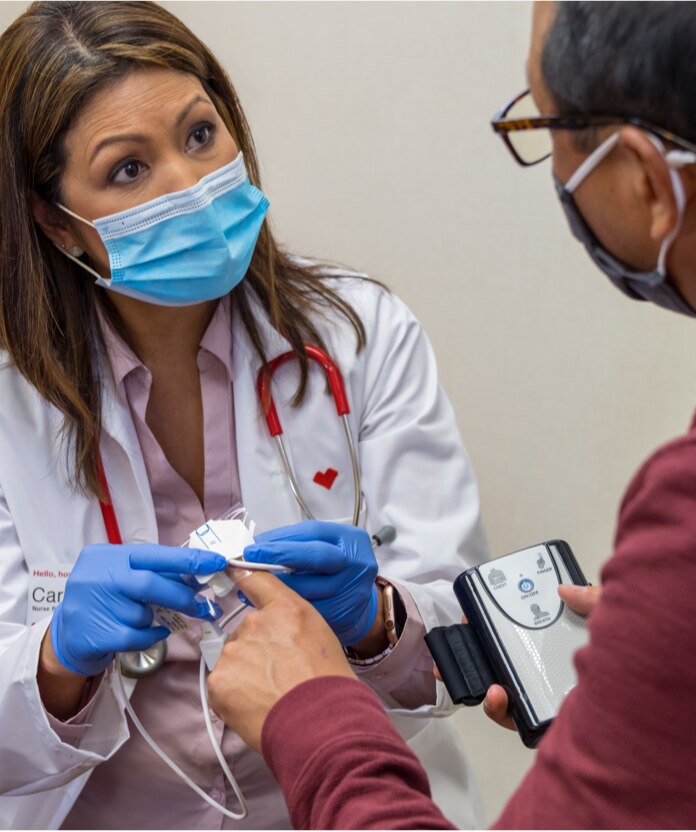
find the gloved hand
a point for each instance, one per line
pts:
(335, 571)
(106, 605)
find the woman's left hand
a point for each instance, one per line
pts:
(335, 570)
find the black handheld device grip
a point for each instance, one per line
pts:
(465, 670)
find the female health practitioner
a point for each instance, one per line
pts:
(141, 291)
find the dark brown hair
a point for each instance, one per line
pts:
(53, 57)
(624, 59)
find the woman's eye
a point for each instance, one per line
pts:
(127, 172)
(200, 136)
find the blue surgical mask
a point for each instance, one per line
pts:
(653, 285)
(186, 247)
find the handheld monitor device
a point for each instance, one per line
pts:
(520, 635)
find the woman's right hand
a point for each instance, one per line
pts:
(106, 605)
(580, 599)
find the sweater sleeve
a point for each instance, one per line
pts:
(622, 751)
(341, 763)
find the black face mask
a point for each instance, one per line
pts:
(651, 286)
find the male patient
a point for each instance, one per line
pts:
(622, 751)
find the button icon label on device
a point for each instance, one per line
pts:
(496, 577)
(525, 585)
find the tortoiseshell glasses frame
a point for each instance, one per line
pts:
(514, 130)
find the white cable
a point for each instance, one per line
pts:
(216, 746)
(211, 734)
(252, 566)
(235, 612)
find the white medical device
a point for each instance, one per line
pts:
(519, 634)
(227, 535)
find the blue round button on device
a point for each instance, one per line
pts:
(526, 585)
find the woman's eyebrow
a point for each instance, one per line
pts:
(197, 99)
(137, 137)
(121, 137)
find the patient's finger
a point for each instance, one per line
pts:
(495, 706)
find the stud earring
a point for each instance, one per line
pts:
(76, 251)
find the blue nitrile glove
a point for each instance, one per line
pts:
(106, 605)
(335, 571)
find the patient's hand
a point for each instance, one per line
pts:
(281, 643)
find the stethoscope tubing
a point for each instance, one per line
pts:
(338, 391)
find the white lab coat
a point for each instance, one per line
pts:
(415, 476)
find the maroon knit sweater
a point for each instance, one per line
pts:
(622, 752)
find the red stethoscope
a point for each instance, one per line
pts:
(264, 380)
(338, 392)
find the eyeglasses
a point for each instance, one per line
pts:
(527, 134)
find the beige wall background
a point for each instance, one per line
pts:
(371, 123)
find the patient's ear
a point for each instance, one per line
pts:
(653, 182)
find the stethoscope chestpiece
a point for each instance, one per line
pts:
(138, 663)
